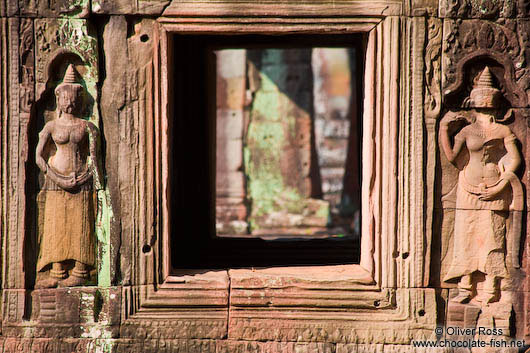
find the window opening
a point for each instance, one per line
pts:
(265, 150)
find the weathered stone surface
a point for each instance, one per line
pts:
(296, 311)
(230, 123)
(57, 8)
(423, 7)
(114, 93)
(285, 9)
(127, 113)
(13, 301)
(129, 7)
(70, 312)
(187, 329)
(360, 348)
(266, 299)
(231, 184)
(483, 9)
(281, 178)
(432, 99)
(18, 94)
(468, 42)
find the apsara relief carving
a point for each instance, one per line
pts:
(484, 209)
(487, 188)
(66, 154)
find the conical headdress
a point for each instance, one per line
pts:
(485, 79)
(71, 77)
(484, 93)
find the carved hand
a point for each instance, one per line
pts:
(65, 182)
(83, 178)
(493, 192)
(42, 164)
(451, 117)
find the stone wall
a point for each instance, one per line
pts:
(441, 92)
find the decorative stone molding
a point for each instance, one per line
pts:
(483, 9)
(505, 43)
(352, 300)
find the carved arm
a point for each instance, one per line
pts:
(44, 136)
(513, 154)
(451, 152)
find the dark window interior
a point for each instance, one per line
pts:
(192, 138)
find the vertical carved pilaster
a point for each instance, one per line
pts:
(3, 144)
(11, 7)
(19, 85)
(3, 137)
(411, 143)
(27, 66)
(431, 109)
(26, 98)
(433, 99)
(13, 270)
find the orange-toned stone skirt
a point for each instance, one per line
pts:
(480, 233)
(68, 232)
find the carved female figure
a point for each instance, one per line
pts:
(487, 188)
(68, 234)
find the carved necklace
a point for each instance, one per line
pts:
(483, 131)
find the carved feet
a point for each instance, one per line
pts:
(72, 281)
(488, 294)
(464, 296)
(48, 282)
(59, 277)
(486, 297)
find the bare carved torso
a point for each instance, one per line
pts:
(486, 148)
(71, 141)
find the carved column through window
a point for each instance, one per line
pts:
(231, 210)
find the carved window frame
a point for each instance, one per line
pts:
(352, 300)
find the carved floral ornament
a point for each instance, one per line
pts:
(478, 42)
(483, 8)
(489, 195)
